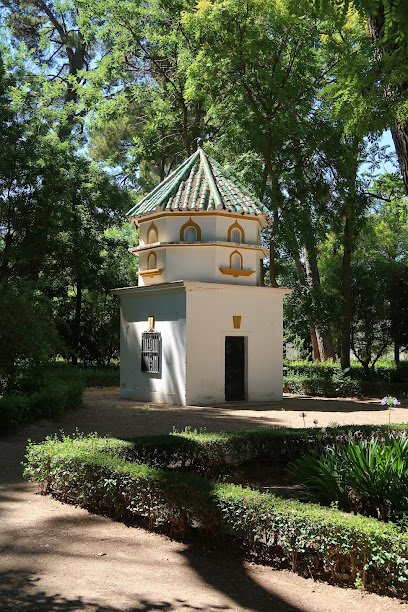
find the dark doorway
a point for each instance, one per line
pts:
(234, 368)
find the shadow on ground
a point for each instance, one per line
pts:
(18, 591)
(73, 537)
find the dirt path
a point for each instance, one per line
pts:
(58, 557)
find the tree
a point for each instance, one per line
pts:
(27, 331)
(50, 30)
(142, 118)
(54, 212)
(383, 77)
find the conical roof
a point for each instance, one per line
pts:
(200, 184)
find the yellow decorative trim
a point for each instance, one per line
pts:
(165, 245)
(237, 321)
(154, 228)
(150, 273)
(240, 256)
(190, 223)
(236, 225)
(150, 322)
(144, 218)
(236, 272)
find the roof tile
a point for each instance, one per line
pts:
(200, 183)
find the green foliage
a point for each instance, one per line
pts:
(90, 471)
(207, 453)
(337, 386)
(368, 476)
(327, 379)
(90, 376)
(63, 246)
(27, 331)
(52, 398)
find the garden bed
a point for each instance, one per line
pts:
(322, 542)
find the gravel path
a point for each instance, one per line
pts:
(58, 557)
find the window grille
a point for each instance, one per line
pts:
(151, 352)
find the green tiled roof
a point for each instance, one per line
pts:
(200, 184)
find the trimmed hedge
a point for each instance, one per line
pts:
(321, 386)
(337, 387)
(326, 543)
(207, 452)
(386, 370)
(327, 379)
(52, 400)
(90, 376)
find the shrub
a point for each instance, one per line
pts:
(337, 386)
(325, 542)
(50, 401)
(327, 379)
(91, 376)
(369, 476)
(208, 452)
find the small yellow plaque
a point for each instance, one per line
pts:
(237, 321)
(151, 322)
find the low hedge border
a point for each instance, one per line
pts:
(338, 386)
(90, 376)
(386, 370)
(207, 452)
(329, 544)
(50, 401)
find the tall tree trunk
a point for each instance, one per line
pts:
(272, 251)
(77, 321)
(345, 316)
(315, 344)
(396, 352)
(399, 131)
(324, 342)
(400, 138)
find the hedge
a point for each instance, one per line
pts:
(49, 401)
(207, 452)
(327, 543)
(386, 370)
(90, 376)
(340, 387)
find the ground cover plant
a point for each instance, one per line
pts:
(323, 542)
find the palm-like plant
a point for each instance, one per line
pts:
(370, 477)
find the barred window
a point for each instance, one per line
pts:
(151, 352)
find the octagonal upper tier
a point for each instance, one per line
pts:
(200, 224)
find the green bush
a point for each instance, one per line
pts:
(327, 379)
(14, 410)
(207, 453)
(50, 401)
(368, 476)
(91, 376)
(386, 370)
(336, 386)
(325, 542)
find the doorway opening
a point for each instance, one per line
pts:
(235, 368)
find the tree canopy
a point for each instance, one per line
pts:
(100, 100)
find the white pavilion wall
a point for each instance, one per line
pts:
(210, 313)
(169, 310)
